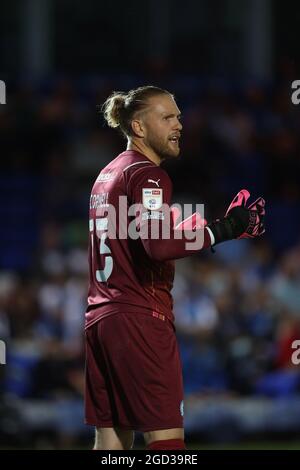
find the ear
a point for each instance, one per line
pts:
(138, 127)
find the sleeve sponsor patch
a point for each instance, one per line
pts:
(152, 198)
(153, 216)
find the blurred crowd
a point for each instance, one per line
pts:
(237, 310)
(237, 316)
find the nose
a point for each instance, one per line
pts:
(179, 125)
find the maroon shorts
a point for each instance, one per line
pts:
(133, 374)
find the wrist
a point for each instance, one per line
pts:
(221, 230)
(231, 226)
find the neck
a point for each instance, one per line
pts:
(141, 148)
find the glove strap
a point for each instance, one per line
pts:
(222, 230)
(231, 226)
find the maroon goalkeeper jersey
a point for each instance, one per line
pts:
(131, 274)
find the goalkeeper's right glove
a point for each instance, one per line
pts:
(240, 221)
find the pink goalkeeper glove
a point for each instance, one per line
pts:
(256, 212)
(240, 221)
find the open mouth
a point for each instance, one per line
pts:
(174, 140)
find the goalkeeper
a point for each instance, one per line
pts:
(133, 367)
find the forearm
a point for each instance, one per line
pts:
(173, 248)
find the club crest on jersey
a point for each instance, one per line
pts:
(152, 198)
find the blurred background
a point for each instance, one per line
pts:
(230, 65)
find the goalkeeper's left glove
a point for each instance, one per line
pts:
(240, 221)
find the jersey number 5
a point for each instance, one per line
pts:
(102, 275)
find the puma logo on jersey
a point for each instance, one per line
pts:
(155, 182)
